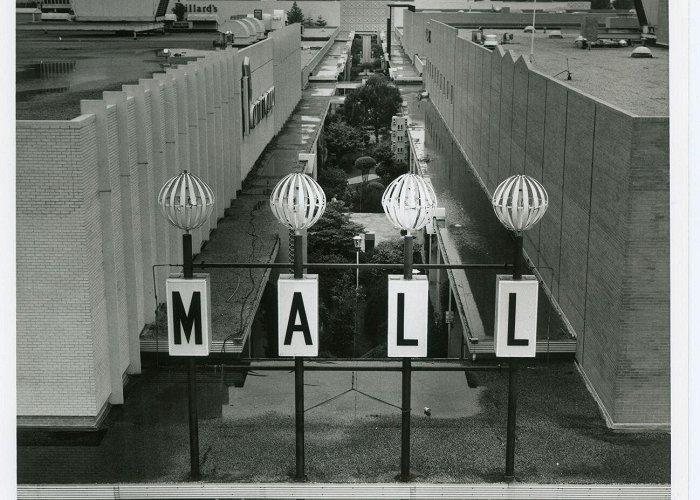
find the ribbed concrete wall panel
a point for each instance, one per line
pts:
(555, 125)
(644, 365)
(92, 234)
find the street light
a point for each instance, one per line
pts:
(408, 203)
(187, 202)
(297, 201)
(519, 203)
(357, 241)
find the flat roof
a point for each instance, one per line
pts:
(637, 86)
(84, 26)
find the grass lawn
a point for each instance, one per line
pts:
(561, 439)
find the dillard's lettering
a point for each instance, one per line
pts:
(292, 326)
(511, 322)
(199, 8)
(400, 340)
(193, 317)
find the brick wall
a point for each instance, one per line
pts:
(605, 234)
(89, 230)
(57, 224)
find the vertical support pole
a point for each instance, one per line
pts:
(187, 256)
(513, 376)
(388, 35)
(406, 377)
(194, 426)
(299, 373)
(191, 372)
(299, 416)
(532, 39)
(408, 256)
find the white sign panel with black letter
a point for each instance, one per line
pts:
(408, 317)
(297, 315)
(189, 313)
(515, 327)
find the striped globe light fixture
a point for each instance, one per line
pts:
(519, 202)
(186, 201)
(297, 201)
(409, 202)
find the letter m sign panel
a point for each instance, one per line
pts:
(189, 313)
(515, 326)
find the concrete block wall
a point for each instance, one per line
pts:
(89, 229)
(605, 234)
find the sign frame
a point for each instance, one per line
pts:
(199, 283)
(515, 321)
(298, 316)
(411, 327)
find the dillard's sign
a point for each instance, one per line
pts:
(192, 8)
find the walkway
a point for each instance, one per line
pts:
(249, 232)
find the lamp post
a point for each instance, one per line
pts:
(408, 203)
(519, 202)
(187, 202)
(297, 201)
(357, 241)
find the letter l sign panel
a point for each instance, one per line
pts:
(189, 313)
(515, 326)
(407, 320)
(297, 315)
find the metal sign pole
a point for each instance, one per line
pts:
(191, 372)
(513, 376)
(299, 373)
(406, 377)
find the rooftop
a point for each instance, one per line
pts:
(637, 86)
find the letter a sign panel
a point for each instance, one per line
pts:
(407, 322)
(515, 330)
(189, 313)
(297, 315)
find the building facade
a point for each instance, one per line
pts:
(88, 230)
(605, 235)
(399, 138)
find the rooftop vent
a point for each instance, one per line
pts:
(641, 52)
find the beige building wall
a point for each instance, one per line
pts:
(115, 10)
(89, 230)
(606, 232)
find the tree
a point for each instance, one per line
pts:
(179, 10)
(334, 181)
(373, 104)
(376, 283)
(320, 22)
(332, 234)
(295, 15)
(389, 172)
(342, 138)
(330, 240)
(364, 164)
